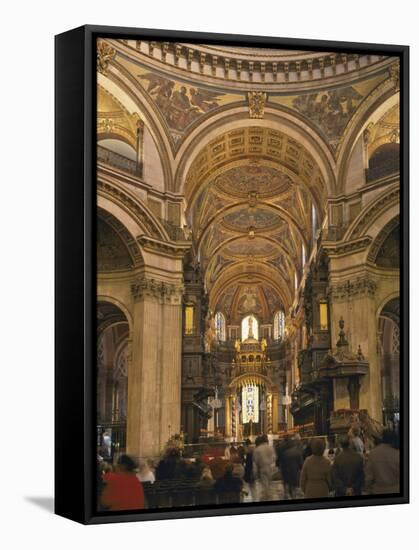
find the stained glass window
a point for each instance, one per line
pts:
(279, 325)
(220, 326)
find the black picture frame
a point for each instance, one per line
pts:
(75, 272)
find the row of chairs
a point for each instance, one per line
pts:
(174, 493)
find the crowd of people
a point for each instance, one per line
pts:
(252, 472)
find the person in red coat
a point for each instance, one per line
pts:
(123, 490)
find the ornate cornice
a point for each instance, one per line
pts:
(162, 291)
(164, 248)
(360, 286)
(250, 67)
(348, 247)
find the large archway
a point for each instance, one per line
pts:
(113, 335)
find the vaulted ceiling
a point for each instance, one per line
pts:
(250, 195)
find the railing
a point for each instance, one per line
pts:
(118, 161)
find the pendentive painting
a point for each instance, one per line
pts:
(248, 275)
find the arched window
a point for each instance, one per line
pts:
(220, 326)
(250, 328)
(279, 325)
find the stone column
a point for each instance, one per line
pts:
(154, 373)
(354, 301)
(171, 365)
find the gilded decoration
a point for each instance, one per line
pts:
(253, 177)
(247, 146)
(247, 217)
(104, 55)
(257, 102)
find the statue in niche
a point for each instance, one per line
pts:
(250, 334)
(210, 333)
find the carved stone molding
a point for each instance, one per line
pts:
(164, 248)
(360, 286)
(131, 205)
(164, 292)
(344, 248)
(104, 56)
(257, 102)
(378, 206)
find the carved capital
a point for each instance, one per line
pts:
(104, 56)
(257, 102)
(164, 292)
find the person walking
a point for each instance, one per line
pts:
(316, 479)
(291, 462)
(382, 471)
(347, 470)
(263, 463)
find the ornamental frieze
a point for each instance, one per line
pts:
(164, 292)
(360, 286)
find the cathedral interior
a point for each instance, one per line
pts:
(247, 242)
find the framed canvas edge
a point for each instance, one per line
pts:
(87, 514)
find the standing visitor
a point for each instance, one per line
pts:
(291, 462)
(263, 463)
(356, 441)
(382, 472)
(145, 474)
(123, 490)
(347, 470)
(249, 477)
(316, 479)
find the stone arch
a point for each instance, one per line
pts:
(132, 211)
(236, 117)
(378, 242)
(119, 82)
(121, 239)
(371, 110)
(118, 304)
(376, 214)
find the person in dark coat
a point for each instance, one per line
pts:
(291, 462)
(228, 487)
(347, 470)
(382, 471)
(170, 466)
